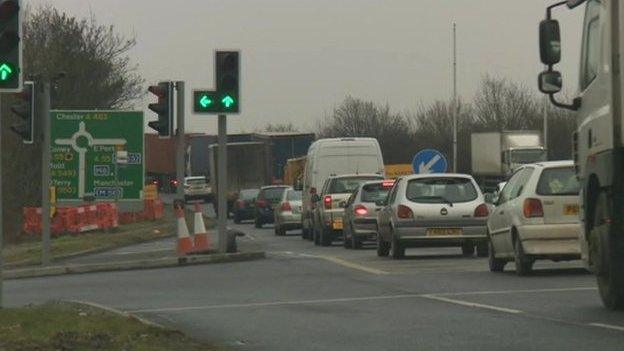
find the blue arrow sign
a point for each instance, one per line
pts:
(429, 161)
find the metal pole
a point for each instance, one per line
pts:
(546, 127)
(222, 184)
(116, 182)
(455, 98)
(45, 173)
(180, 142)
(1, 222)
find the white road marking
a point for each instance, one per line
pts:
(495, 292)
(276, 303)
(472, 304)
(607, 326)
(352, 265)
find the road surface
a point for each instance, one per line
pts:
(313, 298)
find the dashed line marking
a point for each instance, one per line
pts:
(471, 304)
(607, 326)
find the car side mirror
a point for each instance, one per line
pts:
(550, 42)
(550, 82)
(316, 198)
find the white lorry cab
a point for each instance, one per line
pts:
(598, 140)
(333, 157)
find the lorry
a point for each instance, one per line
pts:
(599, 137)
(198, 157)
(285, 146)
(248, 167)
(293, 172)
(495, 155)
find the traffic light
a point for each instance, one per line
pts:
(163, 108)
(10, 46)
(227, 74)
(25, 109)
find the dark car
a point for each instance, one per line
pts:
(245, 205)
(268, 198)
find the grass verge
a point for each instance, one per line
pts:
(68, 326)
(29, 252)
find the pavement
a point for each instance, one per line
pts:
(305, 297)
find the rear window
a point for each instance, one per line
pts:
(347, 185)
(375, 192)
(441, 190)
(558, 182)
(249, 194)
(294, 195)
(196, 181)
(273, 193)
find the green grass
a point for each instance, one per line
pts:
(65, 326)
(29, 252)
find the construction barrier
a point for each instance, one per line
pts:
(85, 218)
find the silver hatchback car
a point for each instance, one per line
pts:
(433, 210)
(360, 218)
(288, 212)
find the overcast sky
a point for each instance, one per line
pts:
(302, 57)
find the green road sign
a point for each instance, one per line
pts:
(213, 102)
(83, 148)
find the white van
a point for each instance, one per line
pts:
(327, 157)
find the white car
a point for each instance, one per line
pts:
(536, 217)
(197, 188)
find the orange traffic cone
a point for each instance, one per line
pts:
(185, 243)
(200, 235)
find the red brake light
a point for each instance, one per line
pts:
(533, 208)
(481, 211)
(404, 212)
(174, 182)
(387, 184)
(286, 207)
(360, 211)
(327, 201)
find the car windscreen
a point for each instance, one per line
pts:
(528, 156)
(347, 185)
(558, 182)
(273, 194)
(374, 192)
(441, 190)
(249, 194)
(294, 195)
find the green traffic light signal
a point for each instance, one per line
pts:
(228, 101)
(6, 72)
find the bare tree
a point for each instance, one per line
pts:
(280, 128)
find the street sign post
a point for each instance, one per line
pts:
(429, 161)
(84, 147)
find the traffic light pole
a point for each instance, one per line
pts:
(44, 116)
(180, 142)
(222, 184)
(1, 225)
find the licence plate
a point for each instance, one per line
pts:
(571, 210)
(337, 225)
(444, 231)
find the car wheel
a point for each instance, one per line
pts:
(383, 247)
(237, 218)
(523, 263)
(397, 248)
(355, 242)
(346, 242)
(482, 249)
(607, 256)
(276, 230)
(258, 223)
(316, 236)
(468, 249)
(281, 231)
(496, 264)
(325, 237)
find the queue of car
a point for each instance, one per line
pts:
(345, 197)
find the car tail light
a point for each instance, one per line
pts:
(481, 211)
(327, 201)
(360, 211)
(261, 203)
(286, 207)
(387, 184)
(404, 212)
(533, 208)
(174, 182)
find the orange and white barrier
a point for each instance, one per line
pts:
(185, 242)
(200, 235)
